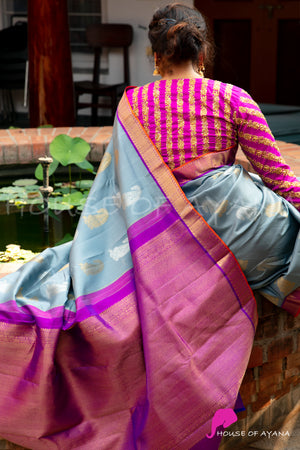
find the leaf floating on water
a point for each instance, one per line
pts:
(25, 182)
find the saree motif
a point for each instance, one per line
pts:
(136, 332)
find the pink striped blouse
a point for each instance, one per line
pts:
(187, 118)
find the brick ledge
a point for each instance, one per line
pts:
(26, 146)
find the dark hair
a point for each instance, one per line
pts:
(178, 33)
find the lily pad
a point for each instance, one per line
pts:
(4, 197)
(68, 150)
(64, 190)
(73, 199)
(25, 182)
(84, 184)
(12, 190)
(57, 204)
(32, 188)
(34, 201)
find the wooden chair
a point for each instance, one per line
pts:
(108, 35)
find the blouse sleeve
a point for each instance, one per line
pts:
(259, 146)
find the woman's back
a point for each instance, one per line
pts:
(186, 118)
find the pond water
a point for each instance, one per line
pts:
(26, 228)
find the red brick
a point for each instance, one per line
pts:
(32, 132)
(261, 403)
(1, 155)
(76, 131)
(25, 154)
(247, 391)
(249, 376)
(256, 357)
(46, 131)
(292, 323)
(6, 140)
(10, 153)
(268, 308)
(280, 348)
(267, 327)
(38, 151)
(60, 130)
(242, 415)
(292, 380)
(293, 360)
(269, 385)
(271, 368)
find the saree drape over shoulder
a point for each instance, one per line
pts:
(134, 334)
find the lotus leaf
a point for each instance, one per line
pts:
(12, 190)
(84, 184)
(58, 204)
(24, 182)
(34, 201)
(68, 150)
(32, 188)
(39, 170)
(86, 165)
(74, 199)
(4, 197)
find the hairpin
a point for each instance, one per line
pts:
(170, 20)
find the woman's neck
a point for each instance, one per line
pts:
(180, 71)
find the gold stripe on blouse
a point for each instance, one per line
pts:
(263, 153)
(217, 122)
(258, 139)
(157, 116)
(180, 121)
(252, 112)
(227, 112)
(135, 101)
(203, 114)
(254, 125)
(271, 169)
(169, 123)
(192, 116)
(145, 108)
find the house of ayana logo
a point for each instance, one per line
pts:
(226, 417)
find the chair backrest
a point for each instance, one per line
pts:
(110, 35)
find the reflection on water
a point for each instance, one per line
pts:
(25, 228)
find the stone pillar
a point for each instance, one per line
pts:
(51, 98)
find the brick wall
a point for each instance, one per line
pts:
(25, 146)
(271, 386)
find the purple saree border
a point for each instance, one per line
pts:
(182, 221)
(87, 305)
(140, 233)
(57, 317)
(97, 302)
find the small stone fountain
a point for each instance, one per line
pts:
(46, 189)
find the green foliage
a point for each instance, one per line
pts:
(65, 151)
(39, 170)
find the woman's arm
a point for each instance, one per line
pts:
(259, 146)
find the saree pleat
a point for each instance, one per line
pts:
(261, 228)
(134, 334)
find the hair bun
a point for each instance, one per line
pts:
(178, 33)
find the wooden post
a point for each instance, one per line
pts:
(51, 97)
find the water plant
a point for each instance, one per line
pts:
(66, 151)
